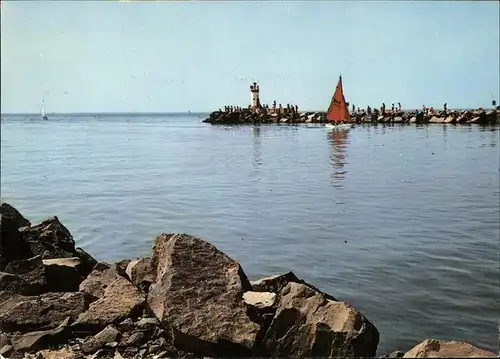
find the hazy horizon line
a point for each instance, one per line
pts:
(181, 112)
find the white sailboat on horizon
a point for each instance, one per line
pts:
(42, 110)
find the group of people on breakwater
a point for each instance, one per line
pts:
(428, 111)
(294, 109)
(265, 109)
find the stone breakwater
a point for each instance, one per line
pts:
(187, 299)
(247, 116)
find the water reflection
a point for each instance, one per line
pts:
(338, 140)
(257, 147)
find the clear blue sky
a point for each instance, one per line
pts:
(177, 56)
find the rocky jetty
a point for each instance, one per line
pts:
(187, 299)
(248, 116)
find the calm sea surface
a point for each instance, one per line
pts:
(402, 222)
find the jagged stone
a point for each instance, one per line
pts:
(108, 310)
(432, 348)
(12, 245)
(139, 273)
(306, 324)
(50, 239)
(107, 335)
(99, 279)
(46, 311)
(87, 262)
(43, 339)
(32, 274)
(259, 300)
(274, 283)
(198, 291)
(63, 274)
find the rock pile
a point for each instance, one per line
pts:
(247, 116)
(187, 299)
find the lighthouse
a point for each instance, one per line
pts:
(254, 96)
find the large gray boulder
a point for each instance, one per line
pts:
(198, 292)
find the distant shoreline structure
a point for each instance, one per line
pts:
(258, 113)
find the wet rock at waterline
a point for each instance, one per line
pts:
(432, 348)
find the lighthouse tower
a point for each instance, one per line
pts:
(254, 96)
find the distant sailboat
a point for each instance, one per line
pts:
(42, 111)
(338, 111)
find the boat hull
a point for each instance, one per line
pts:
(340, 126)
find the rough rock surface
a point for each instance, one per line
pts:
(198, 291)
(107, 335)
(46, 311)
(120, 300)
(30, 271)
(11, 283)
(432, 348)
(260, 300)
(12, 215)
(63, 274)
(99, 279)
(139, 273)
(42, 339)
(50, 239)
(276, 284)
(87, 262)
(12, 245)
(307, 324)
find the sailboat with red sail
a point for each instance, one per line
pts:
(338, 113)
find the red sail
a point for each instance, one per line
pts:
(338, 110)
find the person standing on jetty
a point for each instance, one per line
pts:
(445, 107)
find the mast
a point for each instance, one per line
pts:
(338, 111)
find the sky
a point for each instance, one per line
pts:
(102, 56)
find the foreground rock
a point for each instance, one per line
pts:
(187, 299)
(432, 348)
(119, 301)
(277, 283)
(99, 279)
(32, 313)
(139, 273)
(42, 339)
(198, 291)
(12, 246)
(306, 324)
(29, 272)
